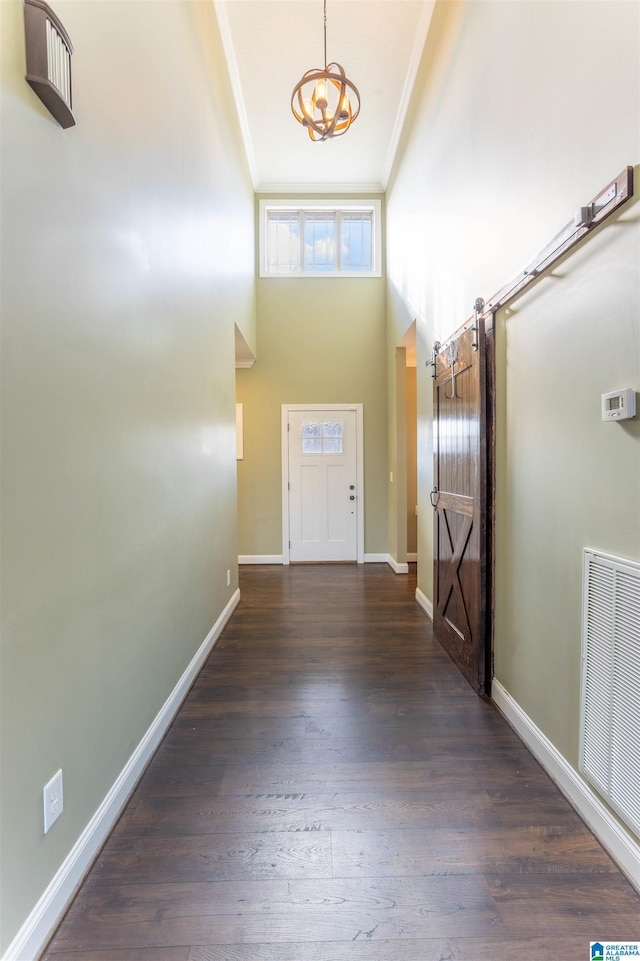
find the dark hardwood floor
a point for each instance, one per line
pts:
(333, 790)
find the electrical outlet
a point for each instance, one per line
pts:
(53, 801)
(228, 578)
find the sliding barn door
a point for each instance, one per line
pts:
(461, 502)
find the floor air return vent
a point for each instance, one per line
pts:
(610, 730)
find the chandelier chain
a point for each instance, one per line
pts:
(325, 33)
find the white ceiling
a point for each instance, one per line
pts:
(269, 44)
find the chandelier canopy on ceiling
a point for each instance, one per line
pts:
(325, 101)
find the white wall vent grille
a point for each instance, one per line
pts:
(610, 728)
(58, 62)
(48, 51)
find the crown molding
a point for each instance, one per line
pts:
(234, 77)
(320, 188)
(407, 90)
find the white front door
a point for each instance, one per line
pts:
(322, 485)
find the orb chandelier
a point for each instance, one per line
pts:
(325, 101)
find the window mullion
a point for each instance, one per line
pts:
(338, 240)
(302, 226)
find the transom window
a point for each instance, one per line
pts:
(319, 239)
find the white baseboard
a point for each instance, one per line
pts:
(41, 922)
(368, 559)
(620, 844)
(399, 568)
(424, 603)
(260, 559)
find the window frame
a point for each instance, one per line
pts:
(301, 207)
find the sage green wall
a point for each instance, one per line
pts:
(397, 452)
(402, 452)
(320, 341)
(412, 491)
(401, 314)
(399, 324)
(567, 480)
(511, 128)
(127, 256)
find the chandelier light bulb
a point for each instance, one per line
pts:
(320, 95)
(307, 110)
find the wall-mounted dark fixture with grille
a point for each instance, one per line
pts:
(49, 52)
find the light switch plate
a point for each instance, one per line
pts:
(53, 801)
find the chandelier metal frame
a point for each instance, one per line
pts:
(332, 101)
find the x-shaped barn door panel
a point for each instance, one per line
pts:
(455, 520)
(458, 497)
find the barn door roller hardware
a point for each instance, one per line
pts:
(434, 353)
(584, 221)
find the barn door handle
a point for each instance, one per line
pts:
(478, 307)
(433, 497)
(452, 356)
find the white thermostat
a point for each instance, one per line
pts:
(619, 404)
